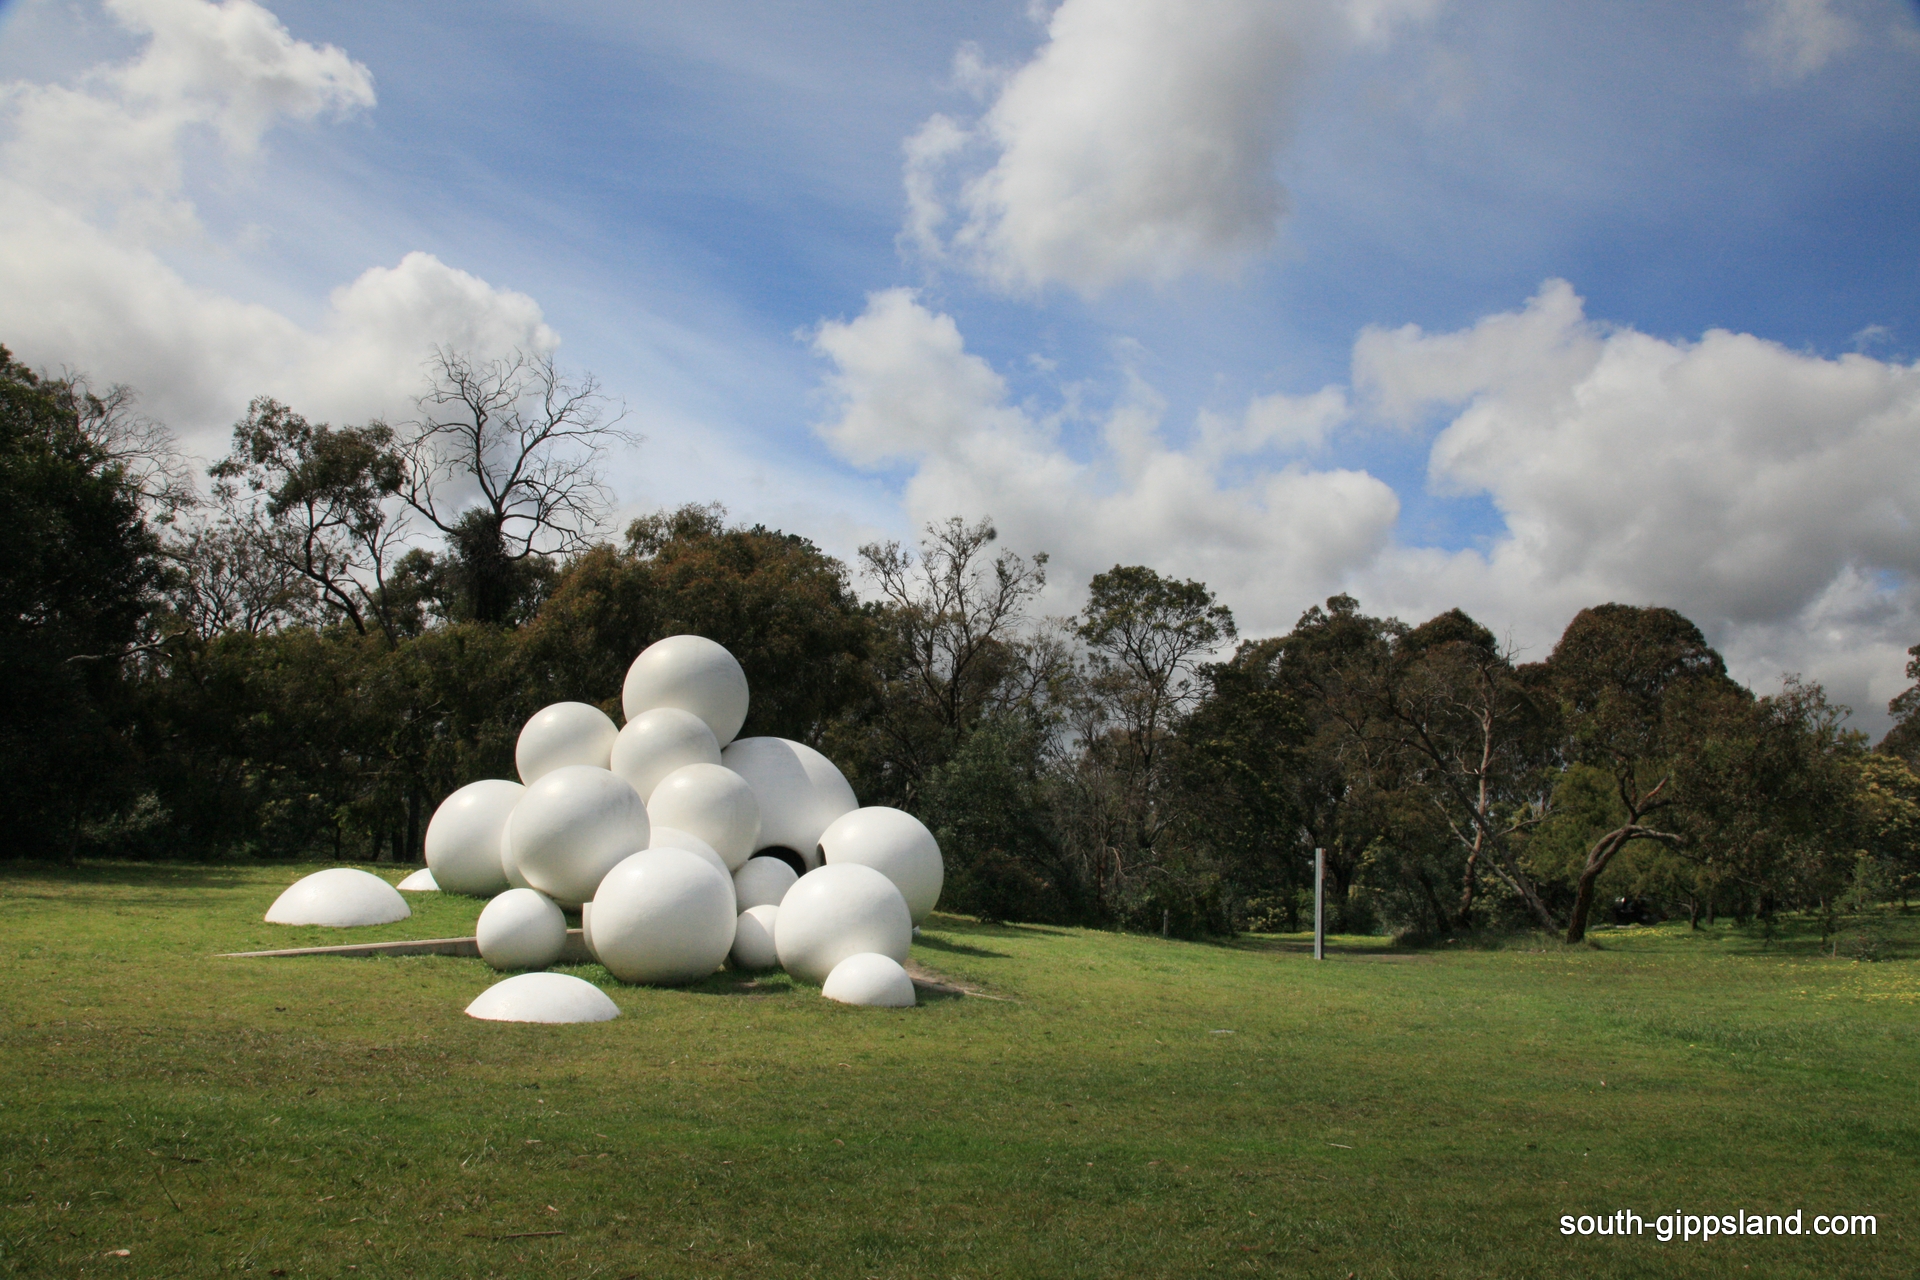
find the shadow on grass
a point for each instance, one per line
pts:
(934, 942)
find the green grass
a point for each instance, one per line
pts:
(1133, 1107)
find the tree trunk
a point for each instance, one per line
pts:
(1597, 859)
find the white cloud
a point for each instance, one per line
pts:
(1796, 38)
(90, 172)
(1140, 142)
(905, 389)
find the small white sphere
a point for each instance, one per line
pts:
(340, 898)
(839, 911)
(897, 845)
(508, 867)
(675, 838)
(463, 837)
(521, 929)
(664, 917)
(876, 981)
(691, 673)
(657, 742)
(799, 790)
(753, 947)
(586, 929)
(421, 881)
(563, 734)
(543, 997)
(572, 827)
(763, 882)
(713, 803)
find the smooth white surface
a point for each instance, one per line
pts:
(897, 845)
(839, 911)
(870, 979)
(572, 827)
(800, 792)
(521, 929)
(563, 734)
(753, 947)
(713, 803)
(586, 928)
(763, 882)
(341, 898)
(691, 673)
(421, 881)
(508, 867)
(663, 917)
(463, 838)
(674, 838)
(543, 997)
(657, 742)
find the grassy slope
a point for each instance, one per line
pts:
(1380, 1114)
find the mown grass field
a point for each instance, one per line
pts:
(1131, 1107)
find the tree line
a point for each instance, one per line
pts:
(356, 621)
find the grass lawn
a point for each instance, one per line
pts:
(1131, 1107)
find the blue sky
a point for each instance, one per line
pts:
(707, 206)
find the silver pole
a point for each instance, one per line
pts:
(1319, 904)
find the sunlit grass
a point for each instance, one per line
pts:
(1133, 1107)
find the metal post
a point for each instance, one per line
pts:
(1319, 904)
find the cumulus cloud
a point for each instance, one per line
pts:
(906, 391)
(1796, 38)
(1140, 142)
(93, 190)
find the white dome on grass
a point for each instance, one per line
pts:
(340, 898)
(544, 997)
(521, 929)
(463, 837)
(663, 917)
(713, 803)
(657, 742)
(800, 792)
(421, 881)
(572, 827)
(691, 673)
(563, 734)
(870, 979)
(838, 911)
(894, 843)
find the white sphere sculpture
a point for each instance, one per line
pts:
(839, 911)
(586, 929)
(753, 947)
(421, 881)
(572, 827)
(508, 867)
(713, 803)
(657, 742)
(674, 838)
(563, 734)
(691, 673)
(340, 898)
(799, 790)
(463, 837)
(663, 917)
(543, 997)
(894, 843)
(876, 981)
(521, 929)
(763, 882)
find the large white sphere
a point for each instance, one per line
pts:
(868, 979)
(839, 911)
(713, 803)
(657, 742)
(664, 917)
(463, 839)
(674, 838)
(691, 673)
(543, 997)
(341, 898)
(763, 881)
(421, 881)
(753, 947)
(799, 790)
(563, 734)
(521, 929)
(894, 843)
(572, 827)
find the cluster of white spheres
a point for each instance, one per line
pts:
(681, 846)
